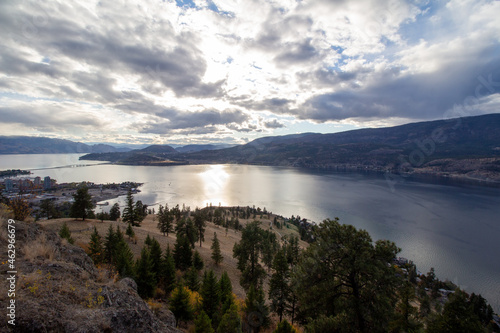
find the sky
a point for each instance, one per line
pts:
(222, 71)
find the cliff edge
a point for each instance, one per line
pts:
(58, 289)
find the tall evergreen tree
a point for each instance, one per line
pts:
(269, 247)
(256, 310)
(165, 220)
(110, 245)
(156, 257)
(292, 250)
(185, 227)
(48, 209)
(114, 212)
(180, 305)
(200, 224)
(140, 212)
(210, 293)
(95, 250)
(82, 205)
(145, 277)
(344, 274)
(192, 279)
(225, 287)
(216, 252)
(247, 252)
(124, 258)
(231, 321)
(128, 215)
(198, 261)
(279, 285)
(203, 324)
(168, 278)
(406, 314)
(183, 254)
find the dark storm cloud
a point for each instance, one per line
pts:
(418, 96)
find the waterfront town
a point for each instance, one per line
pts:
(36, 189)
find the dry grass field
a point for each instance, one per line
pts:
(81, 231)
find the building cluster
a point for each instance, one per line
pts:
(23, 185)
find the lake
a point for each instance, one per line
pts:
(455, 229)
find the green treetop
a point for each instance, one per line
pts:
(82, 205)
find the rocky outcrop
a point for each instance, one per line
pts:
(60, 290)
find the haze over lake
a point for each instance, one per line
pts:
(455, 229)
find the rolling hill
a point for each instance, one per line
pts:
(41, 145)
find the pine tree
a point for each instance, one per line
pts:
(186, 228)
(114, 212)
(231, 321)
(216, 252)
(110, 245)
(65, 233)
(128, 215)
(148, 241)
(279, 285)
(292, 251)
(225, 287)
(139, 212)
(198, 261)
(124, 258)
(247, 252)
(285, 327)
(156, 255)
(203, 324)
(256, 309)
(457, 316)
(165, 220)
(130, 231)
(48, 209)
(192, 279)
(95, 250)
(180, 305)
(269, 247)
(82, 205)
(344, 269)
(210, 293)
(145, 277)
(182, 253)
(200, 224)
(168, 278)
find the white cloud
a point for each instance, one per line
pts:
(116, 64)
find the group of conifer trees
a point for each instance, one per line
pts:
(345, 282)
(342, 282)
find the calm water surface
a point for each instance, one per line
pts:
(454, 229)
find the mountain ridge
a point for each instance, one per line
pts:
(43, 145)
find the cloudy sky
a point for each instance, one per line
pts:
(197, 71)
